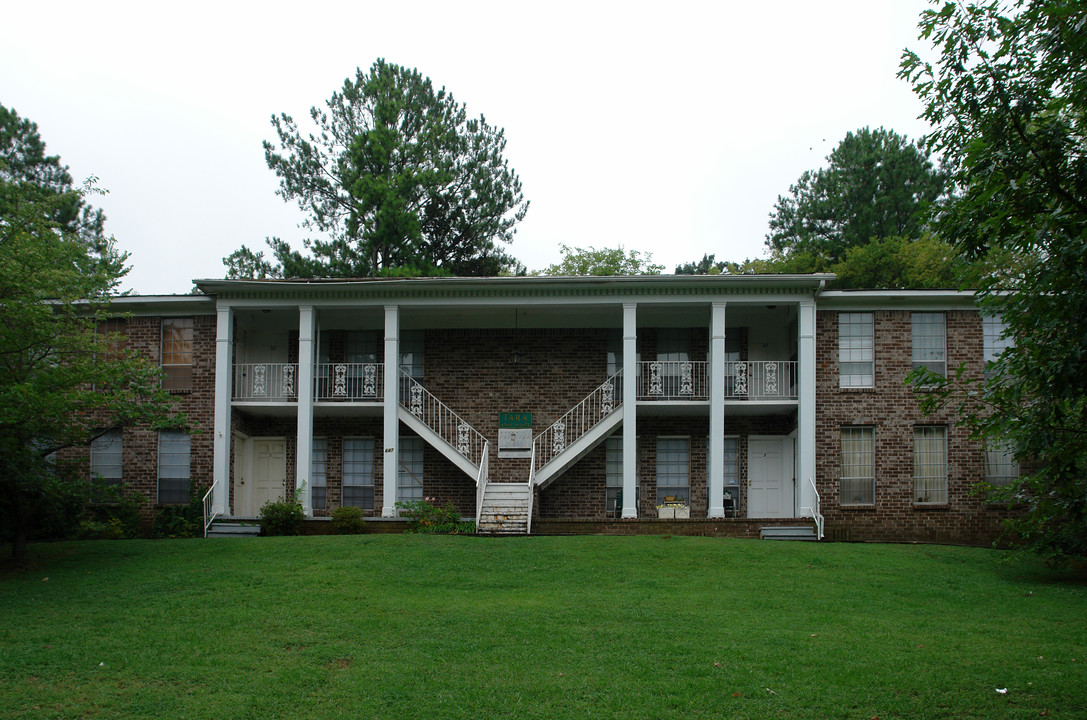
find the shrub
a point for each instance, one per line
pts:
(179, 521)
(282, 517)
(348, 521)
(428, 517)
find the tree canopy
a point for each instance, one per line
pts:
(876, 184)
(603, 261)
(398, 179)
(1007, 97)
(60, 384)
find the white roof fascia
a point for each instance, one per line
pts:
(897, 300)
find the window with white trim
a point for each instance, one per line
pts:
(930, 464)
(673, 470)
(319, 474)
(856, 350)
(731, 493)
(107, 461)
(1001, 467)
(358, 473)
(930, 342)
(995, 340)
(857, 482)
(177, 339)
(409, 484)
(173, 475)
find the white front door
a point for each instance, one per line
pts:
(770, 478)
(269, 472)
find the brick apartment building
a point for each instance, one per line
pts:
(708, 404)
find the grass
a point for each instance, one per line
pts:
(584, 627)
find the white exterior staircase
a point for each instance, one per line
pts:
(506, 509)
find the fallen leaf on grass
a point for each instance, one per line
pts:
(1002, 691)
(737, 694)
(771, 691)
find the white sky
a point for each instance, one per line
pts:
(669, 130)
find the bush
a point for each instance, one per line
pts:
(180, 521)
(428, 517)
(348, 521)
(282, 517)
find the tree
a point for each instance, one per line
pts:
(399, 179)
(60, 386)
(605, 261)
(1007, 97)
(877, 184)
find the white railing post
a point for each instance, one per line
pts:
(209, 511)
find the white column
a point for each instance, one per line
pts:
(630, 409)
(307, 328)
(805, 430)
(224, 371)
(716, 503)
(392, 410)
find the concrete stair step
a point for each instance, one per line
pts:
(233, 530)
(800, 532)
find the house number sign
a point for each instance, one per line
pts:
(514, 435)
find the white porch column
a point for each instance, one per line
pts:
(805, 431)
(392, 409)
(224, 372)
(716, 504)
(630, 409)
(307, 329)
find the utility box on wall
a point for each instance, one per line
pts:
(514, 435)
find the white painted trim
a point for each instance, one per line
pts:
(224, 371)
(391, 427)
(630, 410)
(307, 346)
(715, 503)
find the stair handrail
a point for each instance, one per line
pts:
(578, 421)
(818, 516)
(531, 493)
(437, 416)
(481, 482)
(209, 515)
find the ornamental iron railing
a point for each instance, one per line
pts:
(577, 421)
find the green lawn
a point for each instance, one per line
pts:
(583, 627)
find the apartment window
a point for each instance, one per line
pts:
(358, 472)
(1001, 467)
(929, 342)
(856, 350)
(107, 454)
(857, 483)
(319, 474)
(110, 337)
(731, 495)
(177, 353)
(930, 464)
(411, 353)
(173, 467)
(410, 476)
(613, 476)
(995, 340)
(673, 470)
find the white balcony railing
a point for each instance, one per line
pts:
(673, 380)
(266, 382)
(761, 380)
(358, 382)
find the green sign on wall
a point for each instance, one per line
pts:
(514, 421)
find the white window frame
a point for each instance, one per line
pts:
(857, 478)
(358, 474)
(319, 473)
(409, 469)
(930, 464)
(613, 476)
(107, 461)
(681, 470)
(171, 348)
(1001, 467)
(929, 341)
(995, 340)
(856, 350)
(174, 467)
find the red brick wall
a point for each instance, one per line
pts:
(892, 409)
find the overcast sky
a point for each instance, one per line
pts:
(669, 130)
